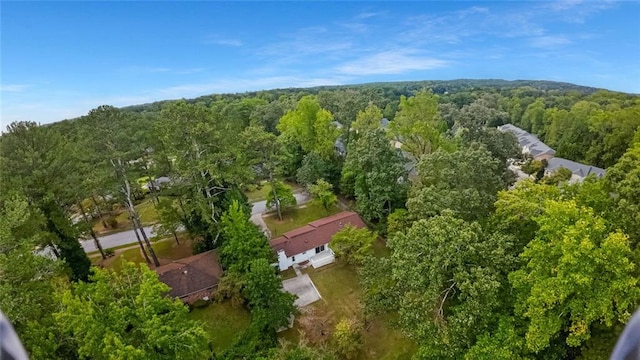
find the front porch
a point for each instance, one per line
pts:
(322, 258)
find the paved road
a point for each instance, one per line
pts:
(117, 239)
(129, 237)
(261, 206)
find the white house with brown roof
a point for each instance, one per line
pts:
(310, 243)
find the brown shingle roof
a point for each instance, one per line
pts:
(191, 274)
(315, 233)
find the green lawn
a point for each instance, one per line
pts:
(223, 323)
(260, 193)
(297, 217)
(146, 210)
(339, 287)
(166, 250)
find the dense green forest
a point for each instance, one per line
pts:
(476, 268)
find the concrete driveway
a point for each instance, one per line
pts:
(304, 288)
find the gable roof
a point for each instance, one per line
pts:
(192, 274)
(579, 169)
(315, 233)
(528, 141)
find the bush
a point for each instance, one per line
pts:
(252, 187)
(112, 222)
(200, 303)
(347, 338)
(109, 252)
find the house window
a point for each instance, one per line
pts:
(320, 249)
(293, 258)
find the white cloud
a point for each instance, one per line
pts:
(551, 41)
(226, 42)
(14, 87)
(366, 15)
(223, 41)
(231, 85)
(390, 62)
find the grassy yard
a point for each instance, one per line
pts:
(166, 250)
(339, 287)
(297, 217)
(146, 210)
(223, 323)
(260, 193)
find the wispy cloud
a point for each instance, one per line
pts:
(14, 87)
(551, 41)
(246, 84)
(223, 41)
(390, 62)
(366, 15)
(227, 42)
(305, 43)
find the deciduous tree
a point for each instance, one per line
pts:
(352, 244)
(577, 276)
(281, 197)
(126, 315)
(322, 194)
(375, 174)
(465, 181)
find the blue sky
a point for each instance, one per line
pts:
(61, 59)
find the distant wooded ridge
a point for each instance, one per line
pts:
(406, 88)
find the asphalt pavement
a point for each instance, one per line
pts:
(117, 239)
(129, 237)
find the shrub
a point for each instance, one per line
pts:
(347, 338)
(200, 303)
(109, 252)
(112, 222)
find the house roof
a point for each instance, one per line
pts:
(529, 141)
(579, 169)
(315, 233)
(192, 274)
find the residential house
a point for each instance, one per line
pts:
(310, 243)
(578, 171)
(529, 143)
(192, 278)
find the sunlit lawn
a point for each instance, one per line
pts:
(146, 210)
(223, 323)
(297, 217)
(339, 287)
(259, 194)
(262, 192)
(166, 250)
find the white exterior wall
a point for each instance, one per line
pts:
(285, 262)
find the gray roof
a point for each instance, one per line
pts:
(384, 123)
(581, 170)
(531, 142)
(339, 146)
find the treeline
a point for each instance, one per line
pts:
(496, 269)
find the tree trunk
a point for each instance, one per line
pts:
(95, 203)
(93, 234)
(176, 236)
(146, 240)
(136, 221)
(144, 252)
(275, 196)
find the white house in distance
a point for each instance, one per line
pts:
(530, 144)
(310, 243)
